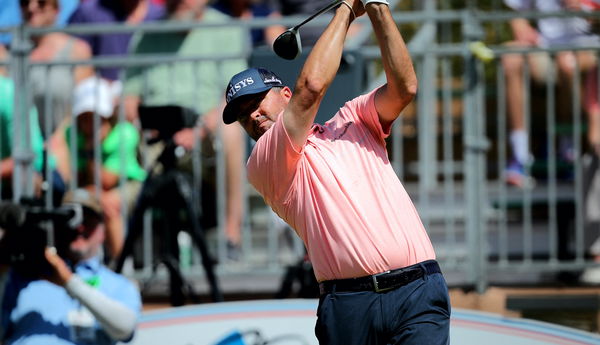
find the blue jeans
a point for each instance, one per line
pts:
(414, 314)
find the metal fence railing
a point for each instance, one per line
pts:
(449, 148)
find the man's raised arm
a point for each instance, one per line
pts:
(401, 85)
(318, 72)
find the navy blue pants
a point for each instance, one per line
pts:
(415, 314)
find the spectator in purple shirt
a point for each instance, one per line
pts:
(131, 12)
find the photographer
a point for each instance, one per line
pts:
(79, 300)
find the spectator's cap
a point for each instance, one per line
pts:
(93, 95)
(84, 198)
(248, 82)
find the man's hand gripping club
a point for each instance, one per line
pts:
(366, 2)
(318, 72)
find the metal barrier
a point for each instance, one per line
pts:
(444, 148)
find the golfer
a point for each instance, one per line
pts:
(379, 281)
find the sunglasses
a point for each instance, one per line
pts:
(40, 3)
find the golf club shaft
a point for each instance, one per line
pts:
(319, 12)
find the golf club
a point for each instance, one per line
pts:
(288, 45)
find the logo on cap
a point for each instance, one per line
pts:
(248, 82)
(272, 79)
(235, 88)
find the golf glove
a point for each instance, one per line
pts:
(366, 2)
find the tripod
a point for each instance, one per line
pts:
(303, 274)
(171, 192)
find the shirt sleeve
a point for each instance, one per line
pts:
(362, 109)
(117, 319)
(7, 127)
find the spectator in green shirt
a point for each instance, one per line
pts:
(118, 154)
(7, 91)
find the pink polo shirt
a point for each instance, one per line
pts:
(341, 195)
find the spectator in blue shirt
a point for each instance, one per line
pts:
(81, 302)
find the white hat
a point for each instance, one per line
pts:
(93, 95)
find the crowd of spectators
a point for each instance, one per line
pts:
(58, 89)
(562, 66)
(55, 84)
(75, 129)
(549, 32)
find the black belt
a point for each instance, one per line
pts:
(382, 281)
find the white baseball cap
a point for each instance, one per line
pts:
(93, 95)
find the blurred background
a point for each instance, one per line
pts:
(499, 151)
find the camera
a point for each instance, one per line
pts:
(29, 227)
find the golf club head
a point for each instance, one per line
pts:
(288, 45)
